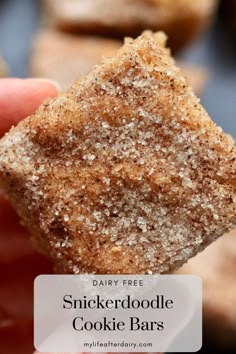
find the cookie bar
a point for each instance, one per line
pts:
(182, 20)
(125, 172)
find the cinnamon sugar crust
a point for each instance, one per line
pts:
(182, 20)
(125, 172)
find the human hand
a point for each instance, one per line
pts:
(19, 263)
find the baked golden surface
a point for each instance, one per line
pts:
(125, 172)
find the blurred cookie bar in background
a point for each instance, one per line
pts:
(66, 57)
(217, 268)
(181, 20)
(3, 68)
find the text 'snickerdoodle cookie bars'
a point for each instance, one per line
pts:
(125, 172)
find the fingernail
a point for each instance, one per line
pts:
(49, 81)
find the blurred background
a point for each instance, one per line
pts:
(62, 40)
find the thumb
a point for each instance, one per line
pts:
(21, 97)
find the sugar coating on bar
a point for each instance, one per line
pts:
(124, 173)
